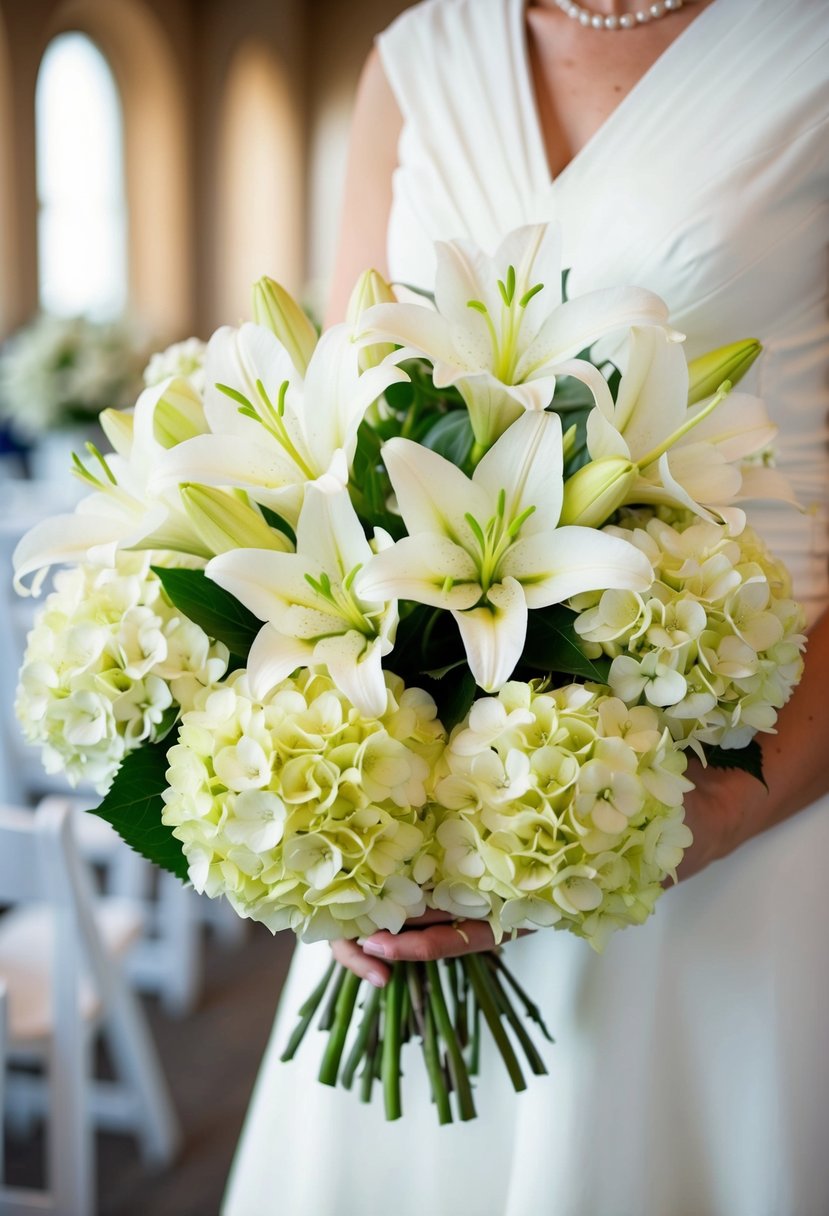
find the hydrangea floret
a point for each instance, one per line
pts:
(109, 656)
(717, 641)
(304, 812)
(556, 807)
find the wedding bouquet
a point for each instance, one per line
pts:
(426, 613)
(62, 371)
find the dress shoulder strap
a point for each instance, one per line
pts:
(458, 71)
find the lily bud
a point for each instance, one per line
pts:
(178, 415)
(568, 441)
(118, 426)
(279, 312)
(225, 523)
(371, 288)
(706, 373)
(596, 490)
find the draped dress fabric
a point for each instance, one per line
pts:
(690, 1076)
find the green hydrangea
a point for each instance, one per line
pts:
(108, 656)
(299, 809)
(560, 807)
(716, 643)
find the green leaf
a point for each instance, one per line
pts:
(133, 806)
(451, 437)
(453, 695)
(277, 522)
(553, 645)
(219, 614)
(748, 758)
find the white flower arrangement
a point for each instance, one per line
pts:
(300, 809)
(715, 643)
(549, 554)
(62, 371)
(557, 807)
(108, 659)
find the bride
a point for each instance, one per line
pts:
(691, 1072)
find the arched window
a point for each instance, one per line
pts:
(82, 217)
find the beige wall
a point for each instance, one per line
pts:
(236, 133)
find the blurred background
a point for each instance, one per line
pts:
(156, 156)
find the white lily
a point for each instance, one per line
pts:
(686, 456)
(273, 432)
(123, 512)
(488, 548)
(314, 614)
(499, 330)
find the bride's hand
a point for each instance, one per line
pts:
(431, 936)
(720, 811)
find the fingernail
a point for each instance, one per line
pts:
(375, 978)
(371, 947)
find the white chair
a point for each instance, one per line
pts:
(58, 952)
(168, 960)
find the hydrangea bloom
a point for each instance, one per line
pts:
(715, 643)
(559, 807)
(108, 656)
(184, 360)
(302, 811)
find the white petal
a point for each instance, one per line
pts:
(238, 358)
(552, 566)
(354, 664)
(433, 495)
(63, 538)
(578, 323)
(336, 396)
(413, 325)
(581, 370)
(226, 460)
(272, 658)
(270, 589)
(739, 426)
(494, 635)
(653, 392)
(526, 462)
(603, 439)
(330, 534)
(416, 568)
(535, 252)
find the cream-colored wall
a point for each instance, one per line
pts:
(231, 171)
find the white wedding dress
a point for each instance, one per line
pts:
(691, 1071)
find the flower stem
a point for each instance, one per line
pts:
(368, 1024)
(327, 1019)
(433, 1066)
(306, 1015)
(368, 1073)
(481, 981)
(502, 998)
(530, 1006)
(342, 1020)
(394, 1002)
(457, 1065)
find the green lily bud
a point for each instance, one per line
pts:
(279, 312)
(596, 490)
(225, 522)
(118, 426)
(179, 415)
(568, 441)
(371, 288)
(707, 372)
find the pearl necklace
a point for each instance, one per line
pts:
(627, 21)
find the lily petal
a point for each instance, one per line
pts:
(428, 569)
(330, 534)
(526, 462)
(238, 358)
(552, 566)
(494, 634)
(578, 323)
(433, 494)
(354, 664)
(272, 658)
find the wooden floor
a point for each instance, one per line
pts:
(211, 1059)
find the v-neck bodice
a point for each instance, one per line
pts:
(708, 184)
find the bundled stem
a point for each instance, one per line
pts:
(414, 1005)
